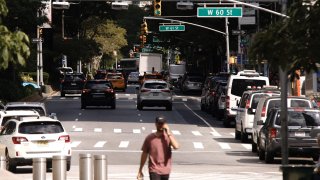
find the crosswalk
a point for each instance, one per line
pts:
(112, 139)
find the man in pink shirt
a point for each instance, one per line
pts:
(158, 147)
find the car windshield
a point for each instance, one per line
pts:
(255, 100)
(151, 76)
(114, 76)
(43, 127)
(155, 85)
(240, 85)
(100, 76)
(195, 79)
(73, 77)
(301, 118)
(98, 85)
(38, 109)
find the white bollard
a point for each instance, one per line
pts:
(39, 168)
(100, 167)
(2, 162)
(59, 168)
(85, 167)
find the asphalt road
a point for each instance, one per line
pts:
(208, 150)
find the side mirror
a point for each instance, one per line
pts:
(53, 115)
(260, 123)
(238, 103)
(251, 111)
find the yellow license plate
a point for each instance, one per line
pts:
(42, 142)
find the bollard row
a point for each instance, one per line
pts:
(87, 170)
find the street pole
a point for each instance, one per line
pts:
(38, 56)
(41, 62)
(283, 73)
(227, 46)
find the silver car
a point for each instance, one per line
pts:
(133, 77)
(154, 93)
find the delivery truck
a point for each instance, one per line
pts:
(149, 62)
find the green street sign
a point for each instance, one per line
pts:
(165, 28)
(219, 12)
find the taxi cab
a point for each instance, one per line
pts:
(151, 76)
(118, 81)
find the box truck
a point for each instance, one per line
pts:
(149, 62)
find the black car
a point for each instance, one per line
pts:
(72, 83)
(303, 129)
(98, 93)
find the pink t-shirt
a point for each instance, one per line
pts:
(160, 154)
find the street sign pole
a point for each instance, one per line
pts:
(227, 46)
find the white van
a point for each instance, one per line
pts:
(267, 103)
(236, 85)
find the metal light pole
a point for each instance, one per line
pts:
(227, 45)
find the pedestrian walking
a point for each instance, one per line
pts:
(157, 147)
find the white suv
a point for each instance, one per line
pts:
(236, 85)
(154, 93)
(267, 103)
(16, 114)
(246, 110)
(21, 141)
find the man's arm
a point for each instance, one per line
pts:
(143, 159)
(174, 143)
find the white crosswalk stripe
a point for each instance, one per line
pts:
(247, 146)
(124, 144)
(216, 134)
(224, 145)
(196, 133)
(97, 130)
(175, 132)
(100, 144)
(198, 145)
(75, 144)
(117, 130)
(136, 131)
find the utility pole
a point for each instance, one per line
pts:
(283, 73)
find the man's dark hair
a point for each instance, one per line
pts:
(161, 119)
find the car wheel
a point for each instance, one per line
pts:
(243, 136)
(169, 107)
(261, 154)
(62, 94)
(139, 106)
(315, 158)
(68, 165)
(236, 134)
(269, 157)
(10, 166)
(202, 107)
(124, 90)
(83, 106)
(254, 146)
(113, 106)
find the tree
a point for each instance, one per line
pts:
(14, 46)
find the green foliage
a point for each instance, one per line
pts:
(106, 33)
(3, 8)
(10, 91)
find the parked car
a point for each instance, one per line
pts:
(219, 89)
(72, 83)
(221, 104)
(16, 114)
(236, 85)
(133, 77)
(118, 81)
(246, 109)
(154, 93)
(303, 129)
(191, 82)
(263, 108)
(98, 93)
(40, 107)
(33, 137)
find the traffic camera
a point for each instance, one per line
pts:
(157, 7)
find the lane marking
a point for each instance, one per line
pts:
(77, 129)
(196, 133)
(75, 144)
(233, 134)
(100, 144)
(198, 145)
(184, 99)
(75, 97)
(124, 144)
(212, 129)
(136, 131)
(175, 132)
(97, 129)
(117, 130)
(247, 146)
(215, 134)
(224, 145)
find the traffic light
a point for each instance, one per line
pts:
(144, 28)
(157, 7)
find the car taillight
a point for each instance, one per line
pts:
(85, 90)
(18, 140)
(109, 90)
(213, 93)
(263, 111)
(227, 101)
(145, 90)
(272, 133)
(248, 104)
(65, 138)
